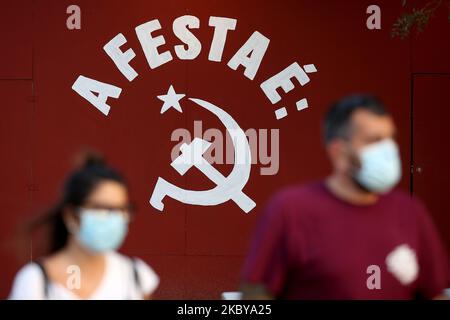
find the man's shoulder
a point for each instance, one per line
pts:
(405, 199)
(295, 190)
(407, 207)
(298, 194)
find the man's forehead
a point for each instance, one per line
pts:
(367, 121)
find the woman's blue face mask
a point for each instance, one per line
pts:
(102, 230)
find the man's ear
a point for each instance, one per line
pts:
(336, 152)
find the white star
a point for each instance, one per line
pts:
(171, 100)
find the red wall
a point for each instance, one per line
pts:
(197, 251)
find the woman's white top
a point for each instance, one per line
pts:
(118, 282)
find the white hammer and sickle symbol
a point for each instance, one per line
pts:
(227, 188)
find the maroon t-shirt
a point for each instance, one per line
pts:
(309, 244)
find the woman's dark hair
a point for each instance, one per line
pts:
(77, 187)
(337, 120)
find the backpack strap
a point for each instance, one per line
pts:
(137, 279)
(45, 278)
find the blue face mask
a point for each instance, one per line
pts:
(380, 167)
(101, 231)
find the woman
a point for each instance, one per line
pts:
(89, 225)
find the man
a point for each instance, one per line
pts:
(351, 236)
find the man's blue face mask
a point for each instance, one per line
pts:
(380, 168)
